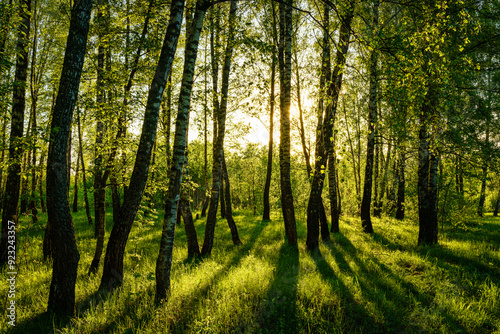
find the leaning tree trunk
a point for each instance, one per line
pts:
(164, 261)
(315, 201)
(267, 186)
(366, 221)
(11, 198)
(66, 256)
(427, 177)
(229, 208)
(113, 263)
(285, 64)
(108, 168)
(221, 128)
(332, 95)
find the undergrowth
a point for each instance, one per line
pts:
(356, 283)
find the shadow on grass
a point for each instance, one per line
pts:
(47, 323)
(42, 323)
(180, 322)
(390, 244)
(391, 296)
(279, 310)
(447, 259)
(486, 229)
(355, 313)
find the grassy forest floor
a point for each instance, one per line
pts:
(357, 283)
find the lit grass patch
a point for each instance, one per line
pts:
(357, 283)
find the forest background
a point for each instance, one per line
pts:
(158, 114)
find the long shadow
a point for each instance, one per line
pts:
(279, 312)
(354, 313)
(486, 230)
(389, 295)
(190, 306)
(383, 241)
(447, 259)
(45, 323)
(42, 323)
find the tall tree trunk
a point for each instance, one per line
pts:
(221, 128)
(400, 203)
(229, 208)
(113, 263)
(168, 121)
(302, 132)
(269, 171)
(334, 88)
(427, 213)
(285, 64)
(10, 205)
(120, 134)
(164, 261)
(315, 202)
(34, 89)
(82, 162)
(206, 198)
(66, 256)
(214, 55)
(366, 222)
(99, 181)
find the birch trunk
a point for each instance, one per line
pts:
(285, 64)
(221, 128)
(113, 262)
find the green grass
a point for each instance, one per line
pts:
(356, 283)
